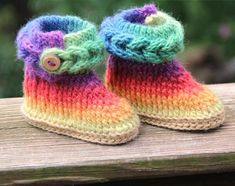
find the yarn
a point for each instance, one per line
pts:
(163, 94)
(72, 39)
(125, 36)
(70, 100)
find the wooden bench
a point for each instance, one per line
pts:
(29, 155)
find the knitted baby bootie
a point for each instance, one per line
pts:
(62, 94)
(143, 43)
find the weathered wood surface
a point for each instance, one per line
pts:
(29, 155)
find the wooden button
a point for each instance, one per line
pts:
(155, 19)
(51, 62)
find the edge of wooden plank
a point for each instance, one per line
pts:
(208, 163)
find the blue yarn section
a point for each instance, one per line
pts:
(66, 24)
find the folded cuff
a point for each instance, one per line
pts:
(127, 35)
(74, 41)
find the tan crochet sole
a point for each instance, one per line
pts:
(86, 136)
(186, 124)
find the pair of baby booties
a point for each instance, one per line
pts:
(144, 82)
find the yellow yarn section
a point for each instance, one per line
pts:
(85, 121)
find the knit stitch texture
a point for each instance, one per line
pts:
(157, 85)
(125, 36)
(70, 100)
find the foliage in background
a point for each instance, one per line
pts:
(208, 24)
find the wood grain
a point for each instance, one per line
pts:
(29, 155)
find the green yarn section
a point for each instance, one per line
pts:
(83, 50)
(167, 35)
(156, 41)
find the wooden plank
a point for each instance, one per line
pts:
(220, 179)
(30, 155)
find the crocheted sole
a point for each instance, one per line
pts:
(186, 124)
(104, 139)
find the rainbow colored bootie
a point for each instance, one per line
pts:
(143, 43)
(62, 94)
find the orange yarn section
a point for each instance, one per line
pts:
(82, 101)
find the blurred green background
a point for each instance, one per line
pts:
(209, 33)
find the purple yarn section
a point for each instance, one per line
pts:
(167, 69)
(138, 15)
(31, 41)
(88, 77)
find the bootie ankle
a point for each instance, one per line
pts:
(142, 68)
(62, 94)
